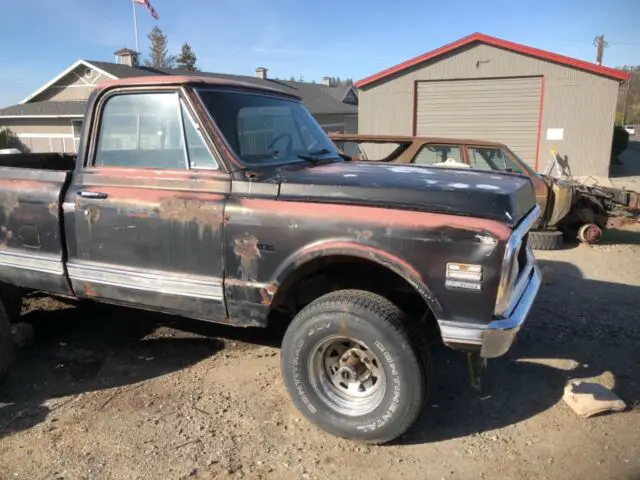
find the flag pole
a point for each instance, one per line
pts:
(135, 25)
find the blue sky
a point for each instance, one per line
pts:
(346, 38)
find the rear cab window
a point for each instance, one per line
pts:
(150, 130)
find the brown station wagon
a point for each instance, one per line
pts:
(569, 208)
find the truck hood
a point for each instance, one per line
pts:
(502, 197)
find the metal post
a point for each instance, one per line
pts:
(135, 25)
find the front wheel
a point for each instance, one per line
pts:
(352, 368)
(6, 343)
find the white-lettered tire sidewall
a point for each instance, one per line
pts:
(395, 354)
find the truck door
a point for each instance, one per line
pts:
(143, 218)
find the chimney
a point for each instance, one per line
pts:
(128, 57)
(261, 73)
(328, 81)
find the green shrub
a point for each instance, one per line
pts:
(620, 141)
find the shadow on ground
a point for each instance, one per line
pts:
(592, 323)
(95, 347)
(88, 348)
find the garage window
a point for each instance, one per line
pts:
(432, 154)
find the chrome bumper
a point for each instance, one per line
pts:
(496, 338)
(501, 333)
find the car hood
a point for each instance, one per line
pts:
(501, 197)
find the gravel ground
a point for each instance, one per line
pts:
(107, 393)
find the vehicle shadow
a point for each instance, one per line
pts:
(578, 329)
(90, 348)
(590, 324)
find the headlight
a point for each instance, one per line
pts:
(508, 276)
(510, 265)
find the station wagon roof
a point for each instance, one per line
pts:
(370, 138)
(192, 80)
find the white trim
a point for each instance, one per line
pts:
(44, 135)
(184, 285)
(64, 87)
(42, 116)
(75, 65)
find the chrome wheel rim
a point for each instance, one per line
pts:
(346, 375)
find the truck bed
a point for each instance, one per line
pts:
(40, 161)
(31, 224)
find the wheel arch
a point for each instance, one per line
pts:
(325, 255)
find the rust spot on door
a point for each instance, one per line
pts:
(182, 210)
(92, 212)
(89, 291)
(246, 249)
(53, 209)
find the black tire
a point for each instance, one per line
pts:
(6, 343)
(11, 298)
(546, 239)
(366, 320)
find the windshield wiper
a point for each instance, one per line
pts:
(317, 156)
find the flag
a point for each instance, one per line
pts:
(147, 4)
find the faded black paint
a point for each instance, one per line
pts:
(216, 224)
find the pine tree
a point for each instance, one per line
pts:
(187, 59)
(159, 51)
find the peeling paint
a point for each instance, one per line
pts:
(53, 209)
(205, 215)
(246, 249)
(486, 240)
(92, 214)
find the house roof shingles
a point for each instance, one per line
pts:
(318, 98)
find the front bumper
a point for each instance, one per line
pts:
(501, 333)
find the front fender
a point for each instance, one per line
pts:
(355, 248)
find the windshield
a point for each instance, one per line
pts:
(264, 129)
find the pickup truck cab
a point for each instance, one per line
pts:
(226, 202)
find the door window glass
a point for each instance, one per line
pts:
(141, 131)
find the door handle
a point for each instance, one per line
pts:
(94, 195)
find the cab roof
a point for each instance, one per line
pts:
(190, 80)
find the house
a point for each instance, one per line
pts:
(50, 119)
(535, 101)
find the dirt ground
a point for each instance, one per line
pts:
(106, 393)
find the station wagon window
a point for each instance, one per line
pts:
(141, 131)
(491, 158)
(433, 154)
(199, 154)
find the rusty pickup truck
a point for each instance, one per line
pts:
(226, 202)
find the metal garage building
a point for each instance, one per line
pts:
(491, 89)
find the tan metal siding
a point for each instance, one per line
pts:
(43, 134)
(37, 125)
(580, 102)
(76, 85)
(351, 124)
(503, 110)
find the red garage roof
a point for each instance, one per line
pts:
(496, 42)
